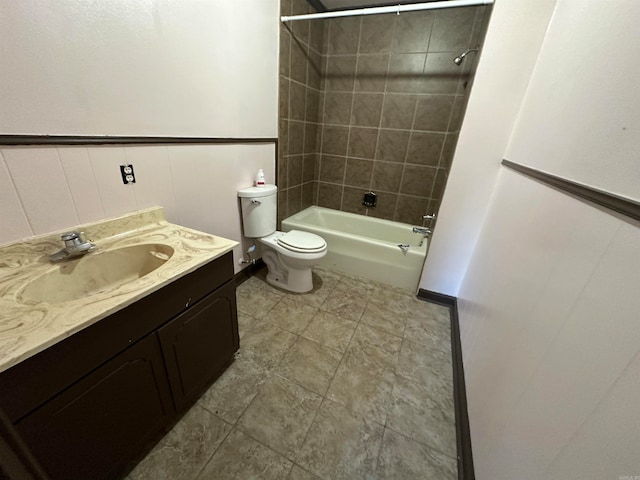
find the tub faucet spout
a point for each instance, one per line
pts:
(422, 230)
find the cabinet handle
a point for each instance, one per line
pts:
(188, 302)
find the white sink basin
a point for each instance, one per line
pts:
(95, 272)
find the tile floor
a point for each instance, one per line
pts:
(353, 380)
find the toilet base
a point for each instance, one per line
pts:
(291, 279)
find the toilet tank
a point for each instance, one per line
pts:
(259, 210)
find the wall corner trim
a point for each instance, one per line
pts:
(463, 434)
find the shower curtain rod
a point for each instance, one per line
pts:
(389, 9)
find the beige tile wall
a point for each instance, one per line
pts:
(390, 104)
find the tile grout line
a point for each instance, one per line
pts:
(272, 372)
(429, 446)
(353, 101)
(66, 181)
(17, 192)
(324, 397)
(204, 466)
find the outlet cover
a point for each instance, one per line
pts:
(128, 175)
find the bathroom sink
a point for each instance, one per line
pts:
(95, 272)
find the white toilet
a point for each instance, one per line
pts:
(289, 256)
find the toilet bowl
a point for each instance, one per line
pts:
(289, 256)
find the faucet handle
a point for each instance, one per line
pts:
(73, 239)
(70, 235)
(430, 218)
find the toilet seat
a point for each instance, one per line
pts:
(302, 242)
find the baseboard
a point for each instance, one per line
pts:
(463, 434)
(246, 273)
(435, 297)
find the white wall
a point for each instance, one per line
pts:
(549, 305)
(550, 331)
(154, 67)
(47, 189)
(581, 107)
(511, 46)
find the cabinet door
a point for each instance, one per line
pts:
(199, 344)
(92, 429)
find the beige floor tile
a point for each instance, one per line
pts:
(424, 309)
(404, 291)
(354, 285)
(255, 301)
(315, 298)
(291, 315)
(185, 449)
(233, 391)
(330, 330)
(341, 445)
(266, 344)
(383, 319)
(430, 332)
(298, 473)
(402, 458)
(363, 384)
(246, 323)
(401, 302)
(425, 363)
(424, 414)
(309, 364)
(240, 457)
(380, 346)
(280, 415)
(259, 280)
(390, 299)
(327, 275)
(344, 304)
(323, 285)
(440, 311)
(428, 329)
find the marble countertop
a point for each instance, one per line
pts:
(28, 327)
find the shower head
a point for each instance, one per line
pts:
(459, 58)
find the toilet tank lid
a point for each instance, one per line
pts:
(255, 192)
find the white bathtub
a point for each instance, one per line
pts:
(365, 246)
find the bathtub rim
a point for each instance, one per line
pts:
(301, 214)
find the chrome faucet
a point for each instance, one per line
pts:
(74, 246)
(422, 230)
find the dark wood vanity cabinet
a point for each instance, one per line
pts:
(198, 344)
(163, 352)
(92, 427)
